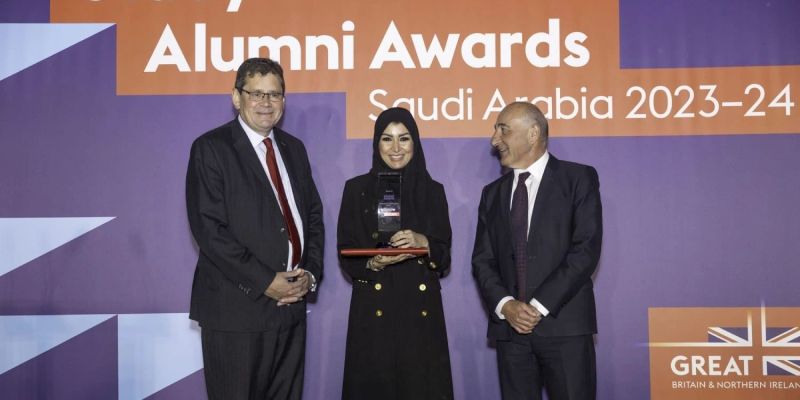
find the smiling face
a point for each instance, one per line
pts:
(517, 139)
(260, 115)
(396, 146)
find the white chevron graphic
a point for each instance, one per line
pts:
(155, 351)
(23, 337)
(24, 239)
(22, 45)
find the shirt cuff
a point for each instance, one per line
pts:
(542, 309)
(500, 305)
(313, 287)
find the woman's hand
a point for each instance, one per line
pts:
(408, 238)
(402, 240)
(379, 262)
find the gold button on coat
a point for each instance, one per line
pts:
(422, 287)
(374, 235)
(433, 265)
(420, 261)
(378, 313)
(424, 313)
(378, 286)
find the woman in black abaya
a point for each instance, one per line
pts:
(396, 336)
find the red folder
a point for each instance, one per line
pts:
(384, 251)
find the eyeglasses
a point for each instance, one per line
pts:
(261, 96)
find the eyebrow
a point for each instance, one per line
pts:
(401, 134)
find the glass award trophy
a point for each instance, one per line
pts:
(390, 185)
(388, 209)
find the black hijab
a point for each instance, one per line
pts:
(416, 183)
(417, 164)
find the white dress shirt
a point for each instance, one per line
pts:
(257, 141)
(536, 171)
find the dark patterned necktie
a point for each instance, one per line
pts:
(519, 232)
(275, 176)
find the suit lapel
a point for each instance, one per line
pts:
(505, 201)
(247, 153)
(546, 189)
(291, 169)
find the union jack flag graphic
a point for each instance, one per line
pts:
(776, 339)
(780, 337)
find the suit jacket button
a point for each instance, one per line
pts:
(374, 235)
(432, 265)
(378, 313)
(422, 287)
(283, 230)
(424, 313)
(420, 261)
(378, 286)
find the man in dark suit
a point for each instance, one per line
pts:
(256, 216)
(537, 245)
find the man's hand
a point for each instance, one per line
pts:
(289, 287)
(523, 317)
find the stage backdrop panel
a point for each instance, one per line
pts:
(688, 110)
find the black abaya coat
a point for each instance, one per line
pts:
(396, 336)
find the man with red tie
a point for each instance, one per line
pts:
(256, 216)
(540, 228)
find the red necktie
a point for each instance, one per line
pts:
(275, 176)
(519, 233)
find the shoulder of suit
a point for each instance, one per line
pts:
(570, 166)
(568, 171)
(220, 133)
(286, 137)
(359, 181)
(495, 183)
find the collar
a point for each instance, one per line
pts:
(254, 137)
(536, 169)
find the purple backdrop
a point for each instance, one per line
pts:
(689, 221)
